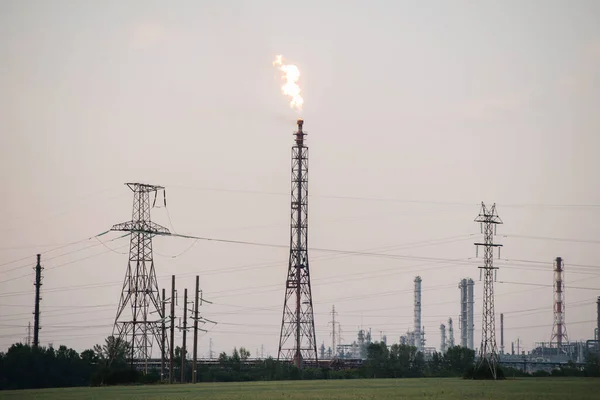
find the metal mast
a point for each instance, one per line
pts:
(488, 354)
(143, 324)
(298, 320)
(559, 330)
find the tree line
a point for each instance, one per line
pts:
(25, 367)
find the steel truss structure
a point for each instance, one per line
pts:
(488, 353)
(142, 324)
(297, 341)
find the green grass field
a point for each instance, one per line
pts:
(527, 388)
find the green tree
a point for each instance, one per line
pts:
(378, 360)
(592, 364)
(244, 354)
(114, 350)
(459, 359)
(112, 362)
(435, 366)
(406, 361)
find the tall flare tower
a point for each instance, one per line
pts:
(297, 340)
(140, 313)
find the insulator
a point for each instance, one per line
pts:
(154, 202)
(476, 251)
(480, 270)
(499, 248)
(481, 227)
(495, 275)
(165, 197)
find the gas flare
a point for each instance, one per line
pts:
(290, 88)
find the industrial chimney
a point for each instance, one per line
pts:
(418, 336)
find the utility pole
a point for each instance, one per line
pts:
(195, 355)
(488, 354)
(36, 312)
(297, 341)
(163, 337)
(183, 345)
(172, 342)
(210, 349)
(140, 293)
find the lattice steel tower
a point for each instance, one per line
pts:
(297, 340)
(559, 330)
(140, 294)
(488, 353)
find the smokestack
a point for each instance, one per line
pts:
(300, 134)
(418, 338)
(501, 333)
(470, 322)
(559, 330)
(463, 320)
(443, 338)
(450, 334)
(598, 321)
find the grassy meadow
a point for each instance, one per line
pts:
(423, 388)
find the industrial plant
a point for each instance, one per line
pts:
(142, 319)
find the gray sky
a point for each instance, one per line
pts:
(442, 103)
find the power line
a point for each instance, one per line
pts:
(57, 248)
(63, 264)
(361, 253)
(397, 200)
(557, 239)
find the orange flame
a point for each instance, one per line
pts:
(290, 88)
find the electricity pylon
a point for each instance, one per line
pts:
(140, 294)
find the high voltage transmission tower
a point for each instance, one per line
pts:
(297, 340)
(488, 354)
(333, 326)
(142, 325)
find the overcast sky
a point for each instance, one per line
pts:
(416, 112)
